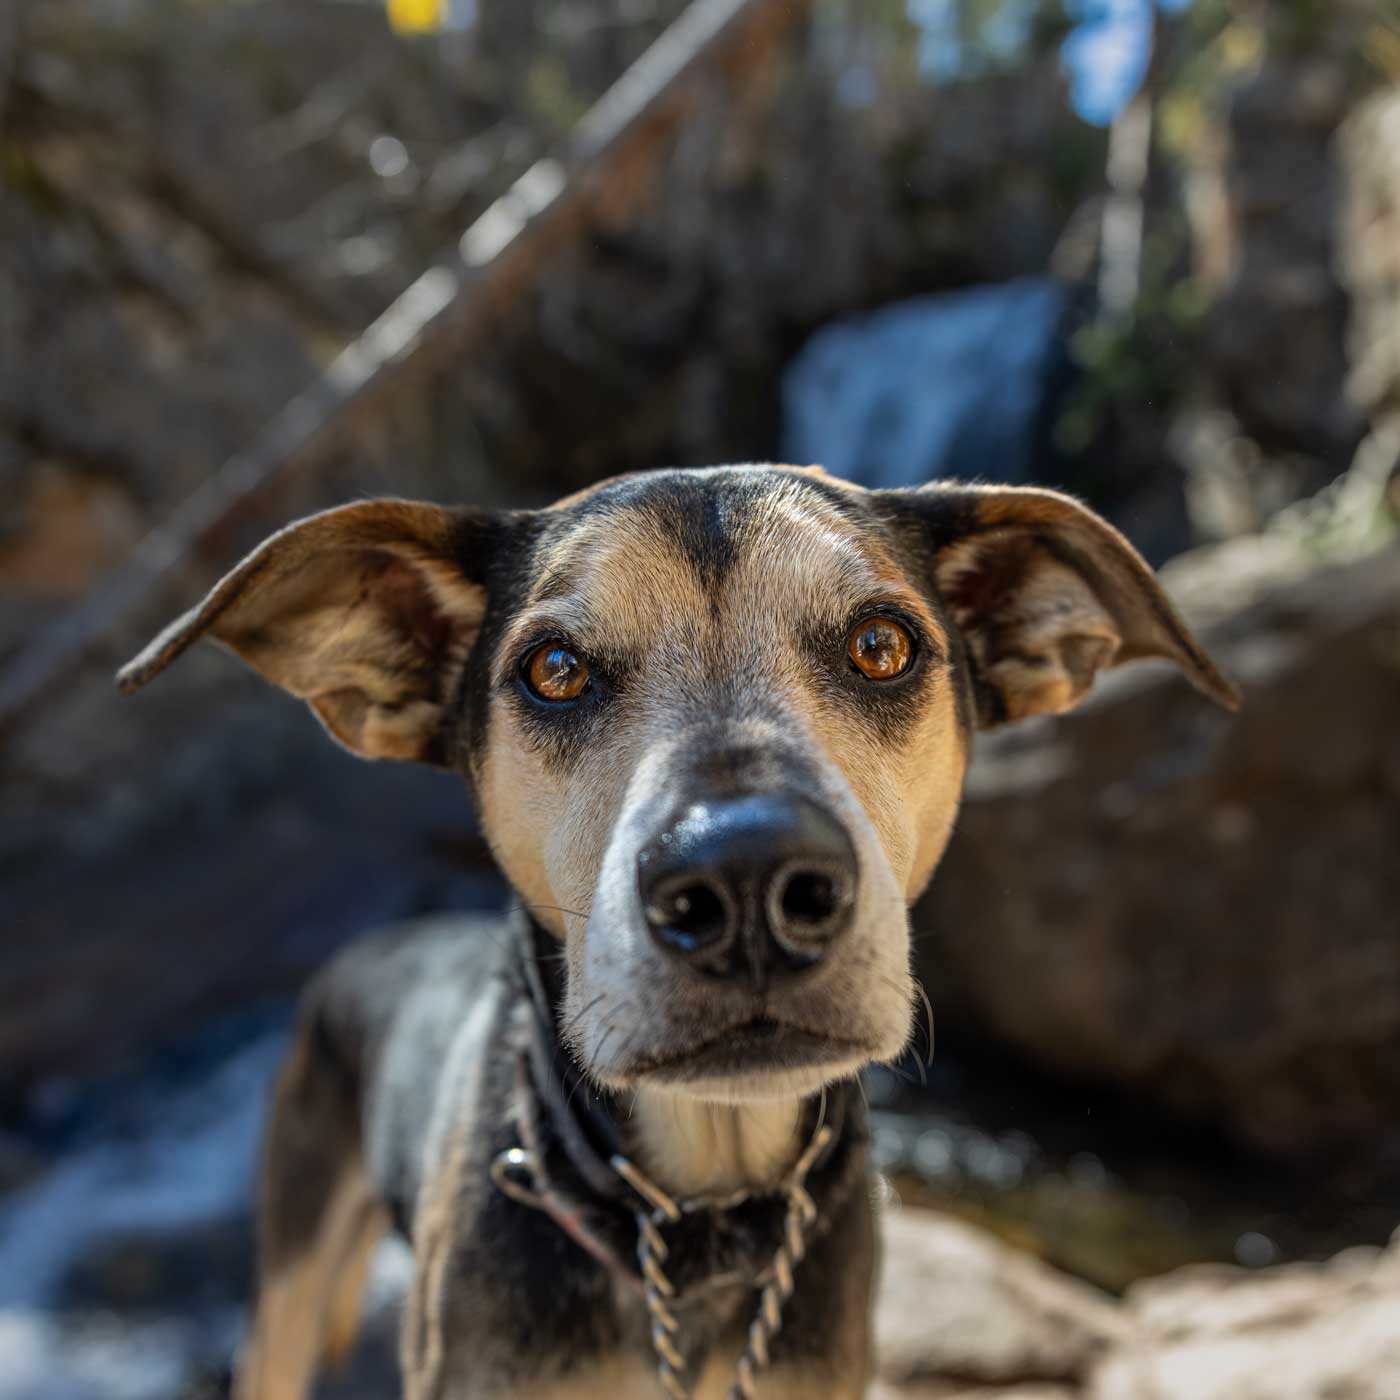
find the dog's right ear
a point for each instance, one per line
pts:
(367, 613)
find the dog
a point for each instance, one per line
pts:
(715, 724)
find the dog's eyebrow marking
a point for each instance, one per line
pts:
(785, 519)
(730, 556)
(706, 527)
(716, 519)
(819, 544)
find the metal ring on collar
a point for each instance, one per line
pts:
(506, 1170)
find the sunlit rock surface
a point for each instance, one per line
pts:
(962, 1315)
(1299, 1332)
(956, 1305)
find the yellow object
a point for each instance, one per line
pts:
(416, 16)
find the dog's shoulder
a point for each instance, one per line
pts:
(373, 979)
(418, 1011)
(419, 979)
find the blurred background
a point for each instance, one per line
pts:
(259, 257)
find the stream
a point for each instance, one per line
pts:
(126, 1229)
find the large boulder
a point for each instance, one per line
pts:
(960, 1311)
(962, 1314)
(1300, 1332)
(1202, 908)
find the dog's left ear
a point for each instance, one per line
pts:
(366, 612)
(1046, 595)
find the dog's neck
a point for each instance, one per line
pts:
(695, 1148)
(690, 1147)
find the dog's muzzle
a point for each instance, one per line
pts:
(756, 888)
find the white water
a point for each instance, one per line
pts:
(947, 385)
(178, 1158)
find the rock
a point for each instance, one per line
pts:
(1275, 343)
(1297, 1332)
(954, 1390)
(1153, 894)
(964, 1316)
(241, 897)
(959, 1310)
(1369, 145)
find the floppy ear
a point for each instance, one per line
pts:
(367, 613)
(1046, 595)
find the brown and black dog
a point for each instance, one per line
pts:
(716, 724)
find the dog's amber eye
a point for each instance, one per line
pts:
(555, 673)
(880, 648)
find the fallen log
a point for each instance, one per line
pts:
(610, 154)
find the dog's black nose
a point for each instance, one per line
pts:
(756, 886)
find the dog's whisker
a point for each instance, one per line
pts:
(598, 1052)
(928, 1012)
(556, 909)
(570, 1023)
(903, 1076)
(569, 1101)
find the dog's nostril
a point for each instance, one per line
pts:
(807, 909)
(759, 886)
(690, 918)
(809, 897)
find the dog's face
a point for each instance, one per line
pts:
(728, 820)
(716, 722)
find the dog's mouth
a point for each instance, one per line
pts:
(762, 1045)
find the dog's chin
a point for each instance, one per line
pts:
(766, 1086)
(761, 1059)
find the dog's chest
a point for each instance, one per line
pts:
(624, 1376)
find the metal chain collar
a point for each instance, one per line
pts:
(659, 1293)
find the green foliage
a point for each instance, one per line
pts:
(1140, 360)
(1300, 24)
(550, 96)
(1212, 46)
(1380, 45)
(22, 175)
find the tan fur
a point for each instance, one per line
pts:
(626, 1378)
(1036, 629)
(436, 1226)
(797, 557)
(347, 1296)
(357, 611)
(548, 832)
(1017, 532)
(308, 1308)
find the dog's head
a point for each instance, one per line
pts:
(716, 723)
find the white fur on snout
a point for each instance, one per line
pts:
(630, 1004)
(607, 965)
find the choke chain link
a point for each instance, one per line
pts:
(659, 1292)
